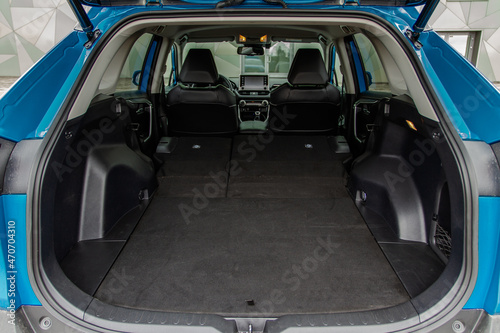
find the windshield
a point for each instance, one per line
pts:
(275, 62)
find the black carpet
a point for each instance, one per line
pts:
(416, 265)
(194, 163)
(254, 228)
(285, 167)
(267, 252)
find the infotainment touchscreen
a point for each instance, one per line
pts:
(253, 82)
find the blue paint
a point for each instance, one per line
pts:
(486, 292)
(213, 2)
(30, 98)
(174, 70)
(332, 67)
(55, 106)
(402, 18)
(13, 214)
(473, 102)
(147, 67)
(251, 2)
(446, 101)
(359, 67)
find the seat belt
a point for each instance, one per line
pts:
(162, 114)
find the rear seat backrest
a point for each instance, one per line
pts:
(199, 104)
(307, 103)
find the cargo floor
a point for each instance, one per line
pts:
(253, 257)
(279, 236)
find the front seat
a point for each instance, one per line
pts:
(200, 104)
(307, 103)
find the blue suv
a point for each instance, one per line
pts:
(250, 166)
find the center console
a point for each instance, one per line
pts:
(253, 110)
(253, 104)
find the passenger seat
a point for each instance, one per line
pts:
(307, 103)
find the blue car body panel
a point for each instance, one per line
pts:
(486, 292)
(15, 286)
(471, 101)
(27, 105)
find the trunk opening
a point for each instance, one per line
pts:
(312, 228)
(251, 225)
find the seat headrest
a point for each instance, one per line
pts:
(308, 68)
(199, 67)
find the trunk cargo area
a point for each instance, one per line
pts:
(250, 226)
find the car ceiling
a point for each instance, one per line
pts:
(206, 33)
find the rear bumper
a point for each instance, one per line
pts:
(37, 319)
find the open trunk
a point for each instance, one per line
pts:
(257, 225)
(356, 225)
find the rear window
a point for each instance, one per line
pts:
(225, 55)
(376, 77)
(134, 64)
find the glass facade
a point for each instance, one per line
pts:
(29, 29)
(473, 29)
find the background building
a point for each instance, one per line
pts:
(473, 28)
(29, 28)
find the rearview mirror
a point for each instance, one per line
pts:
(136, 78)
(369, 76)
(251, 50)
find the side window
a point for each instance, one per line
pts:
(335, 73)
(169, 78)
(131, 76)
(338, 73)
(375, 77)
